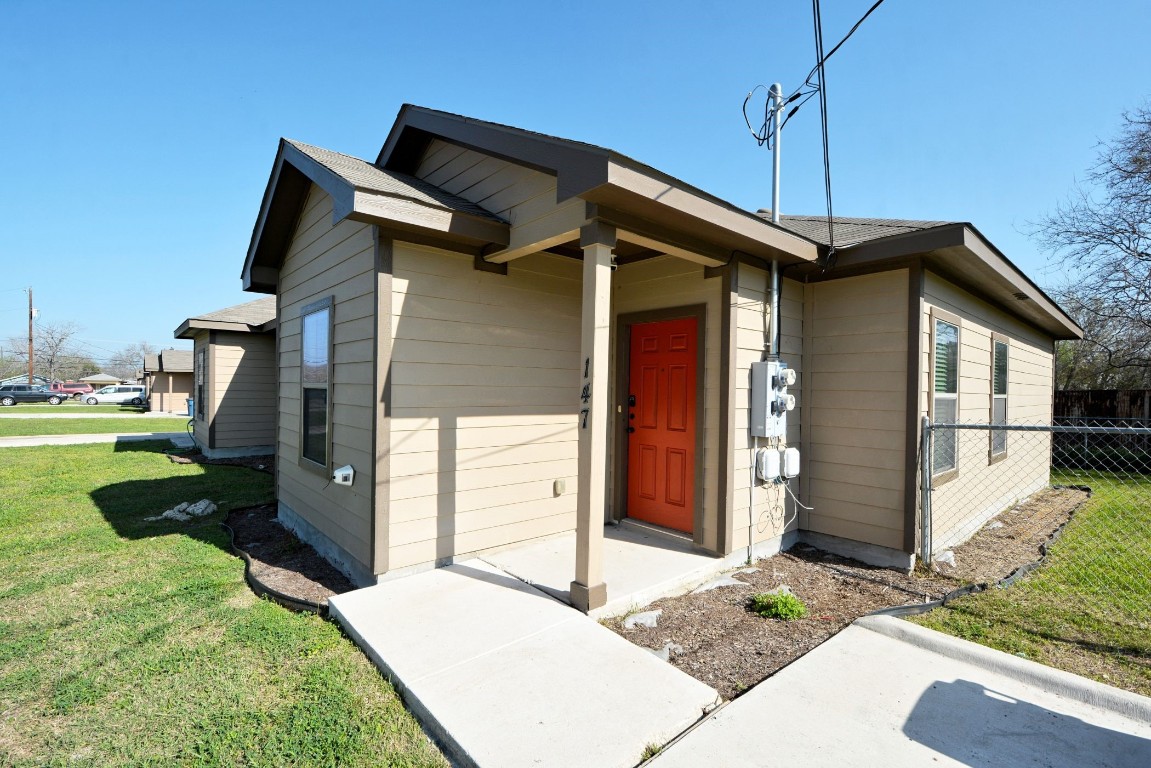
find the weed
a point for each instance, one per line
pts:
(782, 605)
(650, 751)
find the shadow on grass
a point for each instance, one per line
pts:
(127, 505)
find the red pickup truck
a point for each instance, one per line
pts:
(71, 388)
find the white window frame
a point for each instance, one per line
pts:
(942, 437)
(315, 382)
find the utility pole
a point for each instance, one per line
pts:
(30, 364)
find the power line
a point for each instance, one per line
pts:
(822, 80)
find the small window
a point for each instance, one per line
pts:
(999, 356)
(945, 393)
(201, 387)
(315, 359)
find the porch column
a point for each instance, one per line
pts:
(588, 591)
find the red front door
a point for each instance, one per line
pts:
(661, 420)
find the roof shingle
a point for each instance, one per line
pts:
(363, 175)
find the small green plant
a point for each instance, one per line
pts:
(783, 605)
(650, 751)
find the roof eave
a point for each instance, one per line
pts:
(936, 247)
(295, 171)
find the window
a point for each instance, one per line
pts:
(315, 359)
(945, 392)
(999, 350)
(201, 388)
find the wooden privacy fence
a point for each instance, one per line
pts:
(1111, 404)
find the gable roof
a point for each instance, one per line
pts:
(169, 361)
(257, 316)
(360, 192)
(850, 231)
(637, 198)
(954, 249)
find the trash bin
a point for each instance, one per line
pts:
(191, 408)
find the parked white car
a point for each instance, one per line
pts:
(132, 394)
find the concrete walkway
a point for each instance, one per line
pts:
(179, 439)
(502, 674)
(889, 693)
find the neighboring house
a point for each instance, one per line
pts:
(100, 380)
(234, 389)
(23, 379)
(168, 377)
(509, 336)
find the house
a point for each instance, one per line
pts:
(234, 385)
(168, 377)
(498, 336)
(22, 378)
(98, 380)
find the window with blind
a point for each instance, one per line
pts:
(201, 384)
(945, 393)
(999, 350)
(315, 359)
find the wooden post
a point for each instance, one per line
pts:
(589, 591)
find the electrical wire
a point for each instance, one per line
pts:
(821, 76)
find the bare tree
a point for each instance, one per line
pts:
(54, 350)
(128, 363)
(1101, 239)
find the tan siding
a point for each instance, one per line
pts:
(336, 261)
(854, 468)
(244, 390)
(484, 392)
(169, 392)
(983, 488)
(764, 511)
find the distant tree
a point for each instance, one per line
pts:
(54, 349)
(1090, 363)
(1101, 240)
(128, 363)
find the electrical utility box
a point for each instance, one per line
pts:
(770, 401)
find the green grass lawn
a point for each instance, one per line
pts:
(1088, 609)
(72, 406)
(128, 424)
(126, 642)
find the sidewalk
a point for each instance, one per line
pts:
(179, 439)
(891, 693)
(501, 674)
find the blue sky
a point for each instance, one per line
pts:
(138, 137)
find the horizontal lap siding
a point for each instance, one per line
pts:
(982, 488)
(763, 511)
(484, 379)
(336, 261)
(244, 389)
(857, 364)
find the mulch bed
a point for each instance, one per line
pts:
(715, 638)
(280, 561)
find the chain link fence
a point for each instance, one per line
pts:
(1065, 505)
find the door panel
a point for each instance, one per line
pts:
(661, 444)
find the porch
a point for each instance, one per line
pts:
(640, 565)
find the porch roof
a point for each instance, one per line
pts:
(257, 316)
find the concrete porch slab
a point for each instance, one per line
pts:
(501, 674)
(639, 566)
